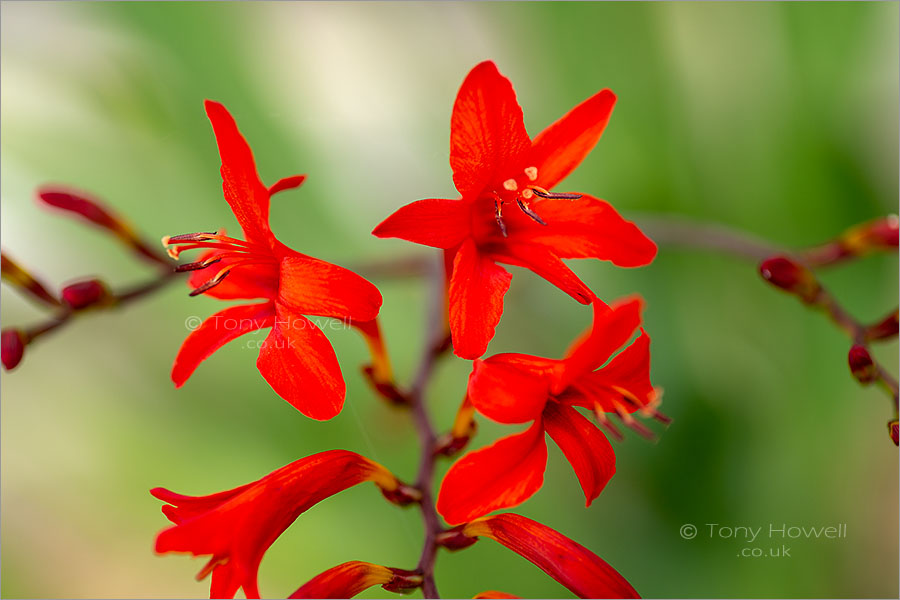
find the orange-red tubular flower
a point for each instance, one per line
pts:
(517, 388)
(296, 358)
(506, 213)
(237, 526)
(351, 578)
(580, 570)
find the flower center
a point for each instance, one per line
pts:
(235, 253)
(521, 190)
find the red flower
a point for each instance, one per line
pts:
(296, 358)
(568, 562)
(236, 527)
(351, 578)
(506, 215)
(518, 388)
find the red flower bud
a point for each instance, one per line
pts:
(85, 293)
(790, 276)
(13, 343)
(22, 279)
(454, 539)
(894, 431)
(351, 578)
(880, 234)
(861, 364)
(886, 328)
(494, 595)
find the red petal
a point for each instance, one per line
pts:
(586, 448)
(299, 363)
(286, 183)
(502, 475)
(315, 287)
(487, 134)
(612, 327)
(560, 148)
(344, 581)
(586, 228)
(215, 332)
(434, 222)
(237, 527)
(494, 594)
(629, 371)
(245, 282)
(543, 262)
(476, 294)
(580, 570)
(244, 192)
(511, 388)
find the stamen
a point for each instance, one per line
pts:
(498, 214)
(201, 236)
(510, 185)
(196, 266)
(632, 423)
(220, 276)
(527, 210)
(606, 424)
(554, 195)
(531, 173)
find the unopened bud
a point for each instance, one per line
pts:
(402, 494)
(85, 293)
(880, 234)
(894, 431)
(790, 276)
(22, 279)
(403, 582)
(454, 539)
(861, 364)
(12, 343)
(886, 328)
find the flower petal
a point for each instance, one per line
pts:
(286, 183)
(543, 262)
(568, 562)
(560, 148)
(434, 222)
(237, 527)
(299, 363)
(627, 373)
(487, 132)
(476, 294)
(586, 448)
(244, 192)
(511, 388)
(586, 228)
(612, 327)
(315, 287)
(215, 332)
(349, 579)
(494, 595)
(502, 475)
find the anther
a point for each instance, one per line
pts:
(196, 266)
(554, 195)
(606, 424)
(498, 214)
(632, 423)
(210, 284)
(531, 173)
(510, 185)
(527, 210)
(190, 237)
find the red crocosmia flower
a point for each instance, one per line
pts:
(236, 527)
(296, 358)
(517, 388)
(351, 578)
(568, 562)
(506, 213)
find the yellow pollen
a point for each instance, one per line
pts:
(527, 194)
(531, 173)
(172, 252)
(165, 240)
(511, 185)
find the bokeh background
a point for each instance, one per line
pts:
(777, 119)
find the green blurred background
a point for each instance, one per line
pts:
(778, 119)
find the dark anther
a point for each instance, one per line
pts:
(190, 237)
(498, 214)
(527, 210)
(554, 195)
(210, 284)
(196, 266)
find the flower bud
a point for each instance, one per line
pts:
(12, 342)
(22, 279)
(790, 276)
(454, 539)
(880, 234)
(894, 431)
(861, 364)
(886, 328)
(85, 293)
